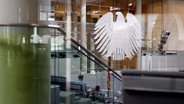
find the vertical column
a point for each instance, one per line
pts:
(139, 12)
(83, 32)
(139, 9)
(83, 22)
(74, 19)
(68, 46)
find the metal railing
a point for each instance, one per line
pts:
(88, 53)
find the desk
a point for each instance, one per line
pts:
(152, 87)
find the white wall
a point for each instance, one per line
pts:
(20, 11)
(175, 24)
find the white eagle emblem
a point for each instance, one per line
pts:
(120, 39)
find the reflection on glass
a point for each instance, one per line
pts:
(24, 67)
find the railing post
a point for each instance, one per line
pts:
(109, 77)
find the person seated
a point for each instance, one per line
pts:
(97, 94)
(84, 85)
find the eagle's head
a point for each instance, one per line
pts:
(118, 13)
(119, 17)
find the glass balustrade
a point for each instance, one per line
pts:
(24, 65)
(33, 69)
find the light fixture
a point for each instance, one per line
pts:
(130, 4)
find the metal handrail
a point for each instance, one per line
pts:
(74, 41)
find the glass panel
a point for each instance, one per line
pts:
(24, 65)
(34, 59)
(81, 63)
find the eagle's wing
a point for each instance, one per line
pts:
(104, 30)
(135, 32)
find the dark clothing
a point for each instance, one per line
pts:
(98, 95)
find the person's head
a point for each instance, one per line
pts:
(97, 88)
(80, 77)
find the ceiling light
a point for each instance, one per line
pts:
(130, 4)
